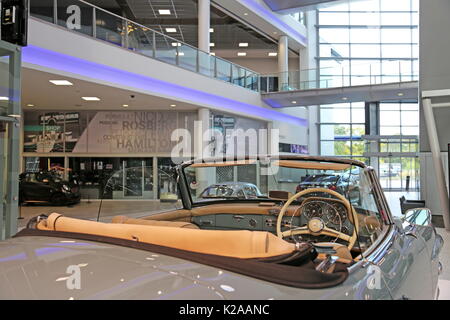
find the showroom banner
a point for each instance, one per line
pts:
(103, 131)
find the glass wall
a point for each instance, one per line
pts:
(342, 126)
(397, 118)
(10, 112)
(363, 38)
(362, 42)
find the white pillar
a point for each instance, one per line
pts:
(200, 129)
(204, 176)
(204, 7)
(436, 155)
(283, 62)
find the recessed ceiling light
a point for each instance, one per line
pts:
(400, 94)
(173, 105)
(344, 98)
(180, 53)
(17, 116)
(176, 44)
(124, 105)
(164, 11)
(4, 98)
(211, 29)
(61, 82)
(294, 102)
(91, 98)
(242, 54)
(30, 105)
(273, 54)
(212, 53)
(212, 44)
(245, 14)
(243, 44)
(171, 30)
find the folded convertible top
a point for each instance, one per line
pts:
(266, 269)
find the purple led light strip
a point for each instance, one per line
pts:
(55, 60)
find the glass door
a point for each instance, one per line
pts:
(399, 173)
(133, 178)
(10, 113)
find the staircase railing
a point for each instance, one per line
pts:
(88, 19)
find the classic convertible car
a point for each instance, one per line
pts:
(314, 244)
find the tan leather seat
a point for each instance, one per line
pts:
(240, 244)
(174, 224)
(341, 250)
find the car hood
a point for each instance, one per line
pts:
(42, 267)
(53, 268)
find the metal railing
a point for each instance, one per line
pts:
(88, 19)
(392, 71)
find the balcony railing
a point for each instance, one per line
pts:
(357, 75)
(83, 17)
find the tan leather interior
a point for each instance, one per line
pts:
(240, 244)
(174, 224)
(369, 222)
(341, 251)
(230, 208)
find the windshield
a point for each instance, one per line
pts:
(151, 191)
(253, 180)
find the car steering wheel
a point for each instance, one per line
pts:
(315, 225)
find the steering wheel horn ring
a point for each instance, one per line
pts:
(316, 226)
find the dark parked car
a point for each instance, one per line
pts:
(46, 187)
(344, 184)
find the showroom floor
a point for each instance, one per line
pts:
(89, 210)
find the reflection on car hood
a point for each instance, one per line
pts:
(30, 263)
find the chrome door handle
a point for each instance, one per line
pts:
(238, 217)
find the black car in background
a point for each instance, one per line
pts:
(346, 184)
(47, 187)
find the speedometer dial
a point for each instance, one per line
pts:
(336, 213)
(312, 209)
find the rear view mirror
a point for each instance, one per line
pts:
(418, 216)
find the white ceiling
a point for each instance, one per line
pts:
(37, 90)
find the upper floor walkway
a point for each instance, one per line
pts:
(106, 42)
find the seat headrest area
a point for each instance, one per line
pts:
(239, 244)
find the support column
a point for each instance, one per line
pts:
(436, 155)
(313, 131)
(283, 63)
(12, 197)
(373, 130)
(204, 7)
(204, 176)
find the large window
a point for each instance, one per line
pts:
(341, 129)
(368, 41)
(399, 119)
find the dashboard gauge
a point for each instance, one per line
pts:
(345, 230)
(336, 213)
(312, 209)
